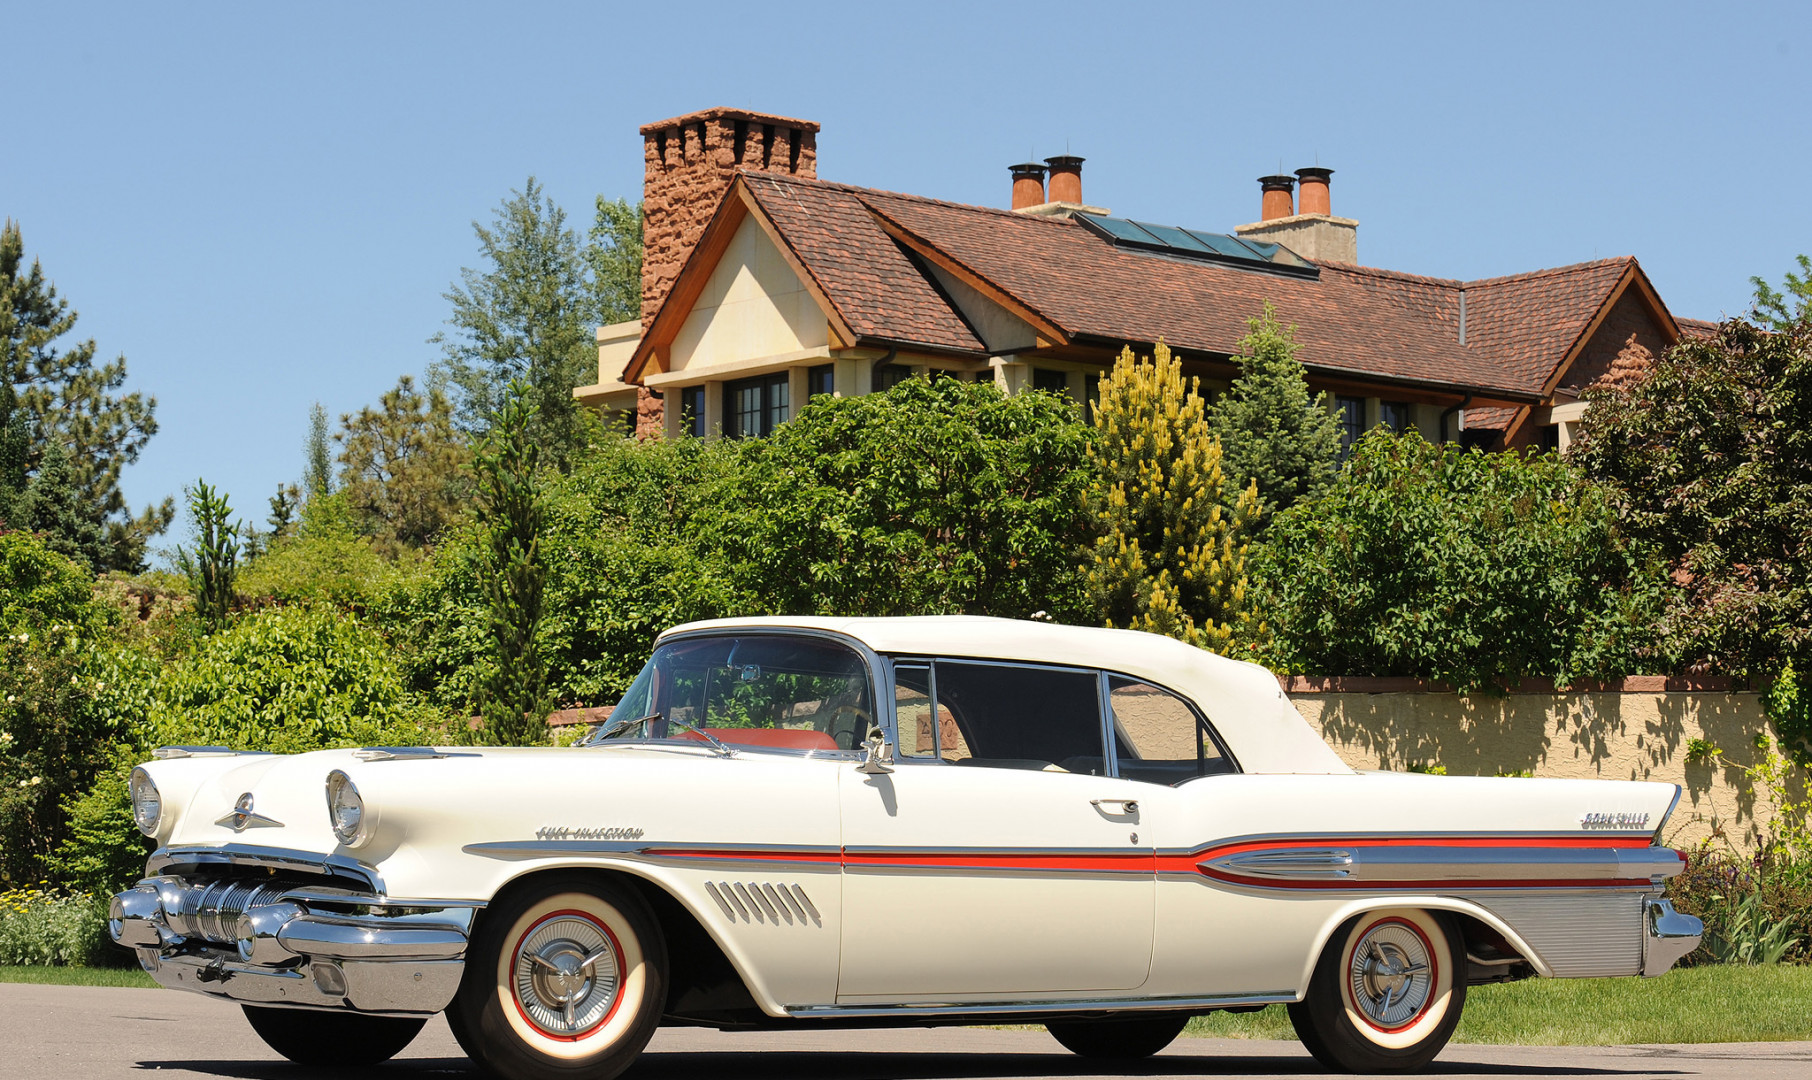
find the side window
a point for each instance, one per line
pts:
(1013, 716)
(912, 707)
(1158, 737)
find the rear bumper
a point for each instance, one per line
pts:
(263, 944)
(1667, 935)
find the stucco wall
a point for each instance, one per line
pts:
(1611, 736)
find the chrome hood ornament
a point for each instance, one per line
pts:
(244, 817)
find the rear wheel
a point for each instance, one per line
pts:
(308, 1037)
(1386, 993)
(565, 980)
(1122, 1037)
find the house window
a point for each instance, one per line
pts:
(1351, 411)
(1394, 415)
(1051, 382)
(692, 411)
(888, 376)
(1548, 437)
(821, 380)
(755, 407)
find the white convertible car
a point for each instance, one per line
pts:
(847, 822)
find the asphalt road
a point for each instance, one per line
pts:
(83, 1033)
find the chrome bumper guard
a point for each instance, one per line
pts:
(259, 943)
(1667, 936)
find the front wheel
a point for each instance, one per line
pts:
(1386, 993)
(565, 980)
(344, 1039)
(1124, 1037)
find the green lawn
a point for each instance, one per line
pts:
(76, 976)
(1689, 1005)
(1704, 1004)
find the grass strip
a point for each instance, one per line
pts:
(77, 976)
(1717, 1003)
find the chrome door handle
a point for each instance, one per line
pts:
(1127, 806)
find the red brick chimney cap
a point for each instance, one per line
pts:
(1027, 168)
(1278, 183)
(1064, 161)
(725, 113)
(1316, 173)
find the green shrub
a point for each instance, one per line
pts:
(1756, 910)
(1475, 569)
(44, 926)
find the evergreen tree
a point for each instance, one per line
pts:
(213, 563)
(512, 694)
(528, 317)
(55, 506)
(1272, 432)
(402, 466)
(1170, 555)
(70, 401)
(282, 519)
(317, 454)
(1779, 310)
(614, 257)
(15, 453)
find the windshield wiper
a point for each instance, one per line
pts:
(705, 735)
(614, 728)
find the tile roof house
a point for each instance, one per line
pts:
(763, 285)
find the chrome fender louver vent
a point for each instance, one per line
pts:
(764, 902)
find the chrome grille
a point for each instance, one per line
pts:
(210, 910)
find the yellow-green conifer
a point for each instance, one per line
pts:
(1170, 556)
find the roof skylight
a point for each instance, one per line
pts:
(1194, 244)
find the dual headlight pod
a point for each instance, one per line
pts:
(345, 809)
(147, 804)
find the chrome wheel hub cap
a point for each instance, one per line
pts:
(567, 974)
(1391, 976)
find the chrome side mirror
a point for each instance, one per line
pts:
(879, 758)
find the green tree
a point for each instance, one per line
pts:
(1779, 310)
(1272, 432)
(67, 399)
(401, 463)
(317, 455)
(1471, 568)
(614, 257)
(512, 694)
(60, 697)
(213, 563)
(1170, 555)
(1709, 457)
(15, 457)
(54, 506)
(936, 497)
(528, 317)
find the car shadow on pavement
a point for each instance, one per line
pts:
(818, 1065)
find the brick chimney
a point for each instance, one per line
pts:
(1310, 229)
(1066, 179)
(1028, 184)
(1280, 197)
(688, 164)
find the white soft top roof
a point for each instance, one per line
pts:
(1243, 700)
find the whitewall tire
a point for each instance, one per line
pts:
(1386, 993)
(566, 978)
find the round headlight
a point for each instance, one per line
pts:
(147, 804)
(345, 810)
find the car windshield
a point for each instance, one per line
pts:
(778, 690)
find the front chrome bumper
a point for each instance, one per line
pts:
(264, 942)
(1667, 936)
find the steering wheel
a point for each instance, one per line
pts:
(854, 733)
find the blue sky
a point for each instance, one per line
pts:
(261, 205)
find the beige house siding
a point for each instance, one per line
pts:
(1609, 736)
(753, 306)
